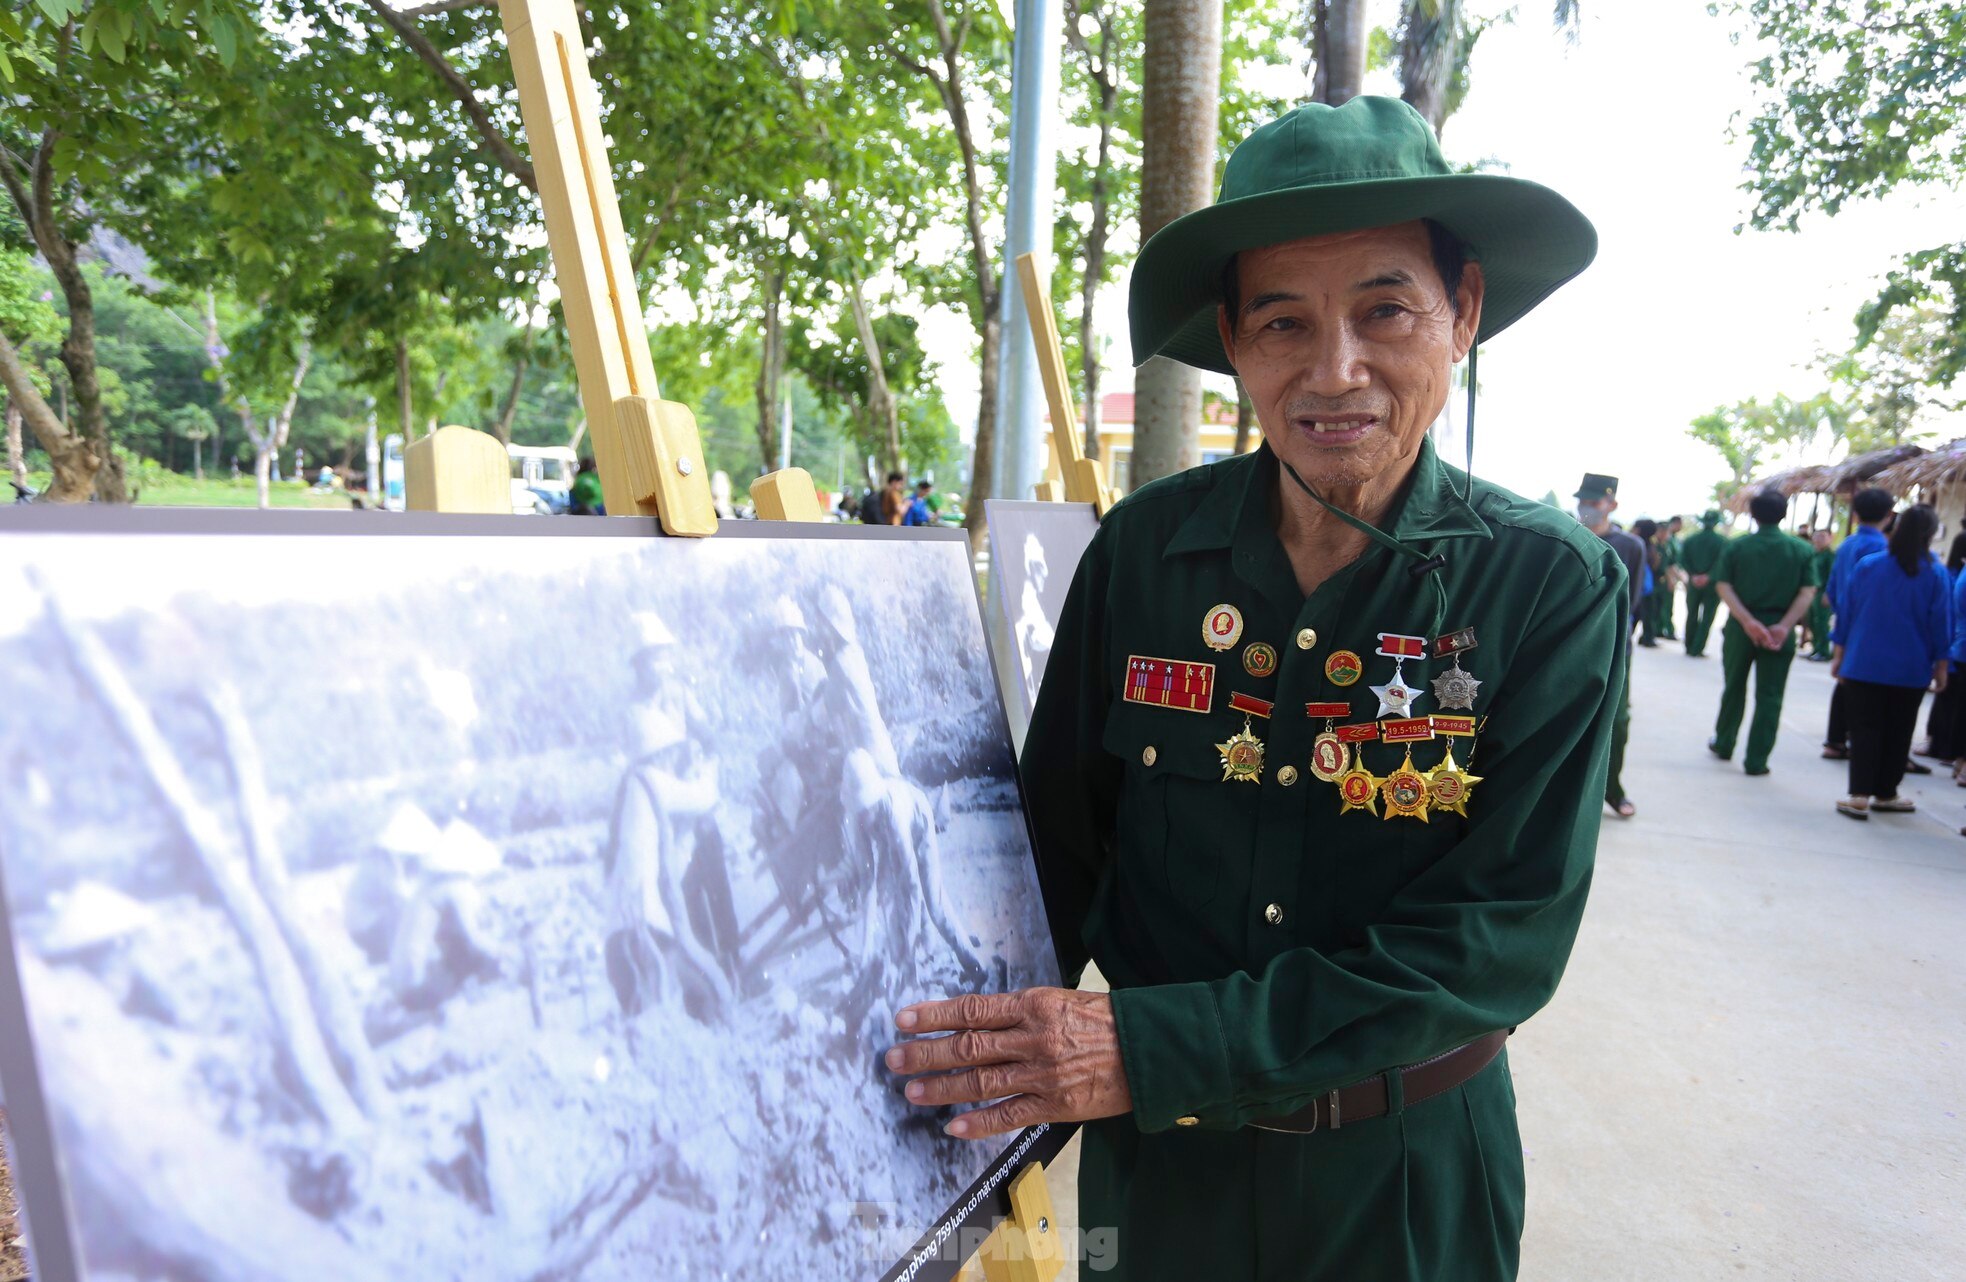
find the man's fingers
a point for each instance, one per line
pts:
(971, 1010)
(976, 1086)
(968, 1049)
(1013, 1114)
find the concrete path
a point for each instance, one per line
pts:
(1756, 1065)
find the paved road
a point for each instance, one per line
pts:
(1756, 1066)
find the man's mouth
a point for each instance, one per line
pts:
(1336, 429)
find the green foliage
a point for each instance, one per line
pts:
(1750, 434)
(1857, 99)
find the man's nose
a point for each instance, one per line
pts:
(1336, 362)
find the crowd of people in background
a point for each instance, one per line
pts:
(1880, 608)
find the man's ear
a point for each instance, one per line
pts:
(1467, 309)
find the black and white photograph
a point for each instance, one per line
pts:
(1034, 551)
(494, 907)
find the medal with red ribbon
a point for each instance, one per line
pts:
(1396, 697)
(1328, 750)
(1242, 754)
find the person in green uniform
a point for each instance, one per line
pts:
(1767, 580)
(1698, 554)
(1665, 595)
(1822, 557)
(1315, 772)
(1597, 499)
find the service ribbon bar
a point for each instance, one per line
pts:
(1170, 683)
(1249, 705)
(1363, 732)
(1327, 711)
(1410, 730)
(1454, 643)
(1458, 727)
(1396, 646)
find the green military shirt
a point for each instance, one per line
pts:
(1766, 569)
(1265, 948)
(1700, 551)
(1671, 549)
(1819, 563)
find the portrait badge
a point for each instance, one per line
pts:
(1221, 627)
(1359, 788)
(1329, 757)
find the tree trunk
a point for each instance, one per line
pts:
(771, 367)
(70, 455)
(262, 458)
(16, 453)
(1245, 418)
(1429, 40)
(510, 410)
(198, 457)
(1181, 68)
(405, 416)
(1095, 263)
(1340, 32)
(985, 456)
(880, 397)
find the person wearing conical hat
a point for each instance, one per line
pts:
(1699, 552)
(1316, 945)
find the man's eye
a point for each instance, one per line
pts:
(1282, 323)
(1385, 311)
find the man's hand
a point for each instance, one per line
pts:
(1700, 580)
(1773, 638)
(1048, 1054)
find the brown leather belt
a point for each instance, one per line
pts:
(1365, 1100)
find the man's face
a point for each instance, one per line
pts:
(1596, 513)
(1820, 538)
(1346, 344)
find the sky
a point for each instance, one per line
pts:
(1678, 314)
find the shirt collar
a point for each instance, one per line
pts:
(1238, 506)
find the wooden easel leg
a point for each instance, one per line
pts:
(1028, 1245)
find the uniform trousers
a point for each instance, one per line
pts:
(1621, 730)
(1946, 722)
(1739, 657)
(1882, 719)
(1838, 733)
(1702, 604)
(1819, 627)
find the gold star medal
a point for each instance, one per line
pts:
(1242, 754)
(1405, 791)
(1357, 786)
(1448, 786)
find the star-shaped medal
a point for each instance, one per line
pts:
(1448, 786)
(1405, 791)
(1455, 688)
(1242, 756)
(1395, 697)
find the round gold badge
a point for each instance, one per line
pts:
(1258, 659)
(1343, 668)
(1221, 627)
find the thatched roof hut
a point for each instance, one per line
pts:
(1928, 472)
(1840, 479)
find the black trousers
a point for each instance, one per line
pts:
(1838, 734)
(1882, 719)
(1943, 726)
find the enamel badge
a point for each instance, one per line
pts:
(1258, 659)
(1455, 688)
(1221, 627)
(1358, 787)
(1242, 754)
(1395, 697)
(1448, 786)
(1343, 668)
(1328, 756)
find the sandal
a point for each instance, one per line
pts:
(1833, 753)
(1917, 768)
(1895, 805)
(1852, 808)
(1623, 809)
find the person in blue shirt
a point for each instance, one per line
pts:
(1947, 719)
(919, 512)
(1892, 635)
(1871, 507)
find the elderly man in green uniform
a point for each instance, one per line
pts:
(1316, 769)
(1699, 552)
(1665, 596)
(1767, 580)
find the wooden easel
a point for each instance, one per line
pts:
(1028, 1245)
(1084, 479)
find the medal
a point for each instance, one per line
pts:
(1169, 683)
(1258, 659)
(1455, 688)
(1411, 730)
(1358, 787)
(1453, 727)
(1242, 754)
(1405, 791)
(1343, 668)
(1328, 750)
(1396, 697)
(1448, 786)
(1221, 627)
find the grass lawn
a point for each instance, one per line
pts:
(220, 491)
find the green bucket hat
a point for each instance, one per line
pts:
(1373, 162)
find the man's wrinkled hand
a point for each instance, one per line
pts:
(1043, 1054)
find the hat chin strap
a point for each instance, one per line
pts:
(1424, 565)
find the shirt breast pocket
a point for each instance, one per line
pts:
(1175, 823)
